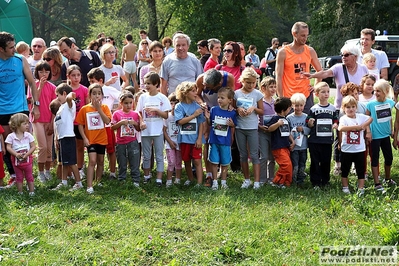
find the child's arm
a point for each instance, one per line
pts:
(187, 119)
(11, 150)
(207, 115)
(70, 97)
(369, 136)
(31, 150)
(86, 141)
(168, 139)
(163, 114)
(257, 109)
(3, 147)
(292, 145)
(276, 125)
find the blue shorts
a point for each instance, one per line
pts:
(219, 154)
(67, 151)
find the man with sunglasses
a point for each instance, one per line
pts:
(294, 59)
(38, 45)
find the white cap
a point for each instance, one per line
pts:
(53, 43)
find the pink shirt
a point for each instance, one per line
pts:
(81, 94)
(210, 63)
(47, 94)
(126, 133)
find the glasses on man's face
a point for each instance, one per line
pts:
(37, 46)
(229, 51)
(346, 55)
(47, 59)
(110, 52)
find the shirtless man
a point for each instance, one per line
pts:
(127, 60)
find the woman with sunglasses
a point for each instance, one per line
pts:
(232, 62)
(54, 58)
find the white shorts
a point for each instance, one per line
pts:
(129, 67)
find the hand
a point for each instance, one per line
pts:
(86, 142)
(250, 110)
(306, 74)
(43, 81)
(281, 122)
(299, 129)
(50, 131)
(230, 122)
(113, 80)
(241, 111)
(143, 126)
(311, 122)
(292, 146)
(198, 112)
(207, 114)
(35, 112)
(96, 104)
(335, 126)
(198, 143)
(172, 145)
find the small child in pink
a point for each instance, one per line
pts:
(21, 145)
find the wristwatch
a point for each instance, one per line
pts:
(36, 103)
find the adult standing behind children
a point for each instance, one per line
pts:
(271, 57)
(127, 60)
(294, 59)
(113, 73)
(14, 69)
(85, 59)
(179, 66)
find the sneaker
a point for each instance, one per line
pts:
(71, 177)
(112, 177)
(215, 186)
(76, 187)
(169, 184)
(346, 190)
(281, 186)
(360, 192)
(198, 186)
(316, 188)
(208, 181)
(146, 180)
(390, 182)
(99, 184)
(31, 194)
(82, 174)
(47, 175)
(177, 181)
(90, 190)
(187, 183)
(20, 193)
(159, 184)
(224, 186)
(1, 188)
(59, 186)
(42, 178)
(246, 184)
(11, 181)
(337, 170)
(256, 186)
(379, 188)
(136, 184)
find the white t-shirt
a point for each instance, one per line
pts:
(153, 121)
(116, 70)
(63, 121)
(111, 96)
(172, 130)
(353, 141)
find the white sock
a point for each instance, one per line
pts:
(256, 184)
(208, 174)
(159, 180)
(215, 182)
(168, 182)
(247, 180)
(223, 182)
(147, 176)
(79, 183)
(112, 174)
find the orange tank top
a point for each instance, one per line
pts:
(294, 64)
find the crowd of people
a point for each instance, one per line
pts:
(217, 109)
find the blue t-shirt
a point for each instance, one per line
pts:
(220, 132)
(280, 136)
(381, 112)
(12, 86)
(188, 132)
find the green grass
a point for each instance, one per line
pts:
(122, 225)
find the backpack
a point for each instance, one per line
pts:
(86, 52)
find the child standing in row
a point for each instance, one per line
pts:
(65, 136)
(249, 105)
(111, 95)
(172, 149)
(353, 125)
(43, 127)
(367, 88)
(282, 142)
(189, 116)
(74, 76)
(221, 134)
(381, 129)
(266, 159)
(322, 120)
(21, 144)
(127, 123)
(153, 107)
(299, 132)
(92, 119)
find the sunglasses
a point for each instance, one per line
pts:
(47, 59)
(346, 55)
(227, 51)
(38, 46)
(144, 43)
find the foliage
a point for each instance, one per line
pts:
(53, 19)
(333, 22)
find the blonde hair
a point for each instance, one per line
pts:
(319, 86)
(17, 120)
(248, 73)
(21, 47)
(298, 98)
(267, 81)
(368, 57)
(385, 87)
(348, 101)
(183, 89)
(104, 49)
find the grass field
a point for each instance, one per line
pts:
(123, 225)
